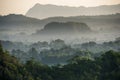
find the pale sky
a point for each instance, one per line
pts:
(22, 6)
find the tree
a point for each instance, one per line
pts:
(10, 68)
(110, 66)
(34, 54)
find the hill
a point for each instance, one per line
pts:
(18, 23)
(43, 11)
(57, 28)
(19, 28)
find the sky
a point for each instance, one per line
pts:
(22, 6)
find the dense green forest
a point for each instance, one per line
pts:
(104, 67)
(58, 51)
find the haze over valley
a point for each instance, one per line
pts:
(60, 40)
(21, 28)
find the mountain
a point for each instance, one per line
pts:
(19, 27)
(18, 23)
(44, 11)
(15, 20)
(100, 23)
(23, 24)
(57, 28)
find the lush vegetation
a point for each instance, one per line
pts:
(58, 51)
(105, 67)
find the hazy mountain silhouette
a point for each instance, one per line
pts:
(44, 11)
(57, 28)
(17, 23)
(100, 23)
(18, 20)
(19, 27)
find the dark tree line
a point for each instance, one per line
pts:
(105, 67)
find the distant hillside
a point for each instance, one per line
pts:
(18, 23)
(23, 23)
(57, 28)
(44, 11)
(17, 20)
(105, 23)
(19, 28)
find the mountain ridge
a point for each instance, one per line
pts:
(44, 11)
(38, 4)
(61, 28)
(17, 29)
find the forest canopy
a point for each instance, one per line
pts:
(105, 67)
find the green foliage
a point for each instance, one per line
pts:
(105, 67)
(110, 66)
(10, 68)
